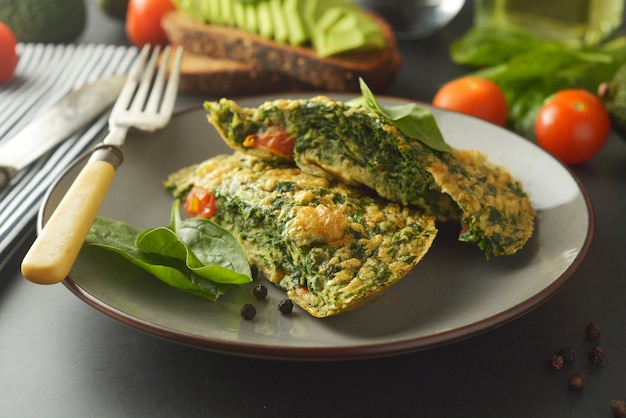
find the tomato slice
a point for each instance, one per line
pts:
(274, 139)
(200, 203)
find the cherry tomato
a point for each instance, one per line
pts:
(7, 52)
(143, 21)
(200, 203)
(474, 96)
(273, 139)
(572, 125)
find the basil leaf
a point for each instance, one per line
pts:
(413, 121)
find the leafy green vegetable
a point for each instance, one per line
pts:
(530, 69)
(484, 46)
(413, 121)
(193, 255)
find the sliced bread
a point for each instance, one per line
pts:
(220, 59)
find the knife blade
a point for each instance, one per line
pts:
(69, 115)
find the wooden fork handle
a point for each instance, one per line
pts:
(55, 249)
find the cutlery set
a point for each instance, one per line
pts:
(145, 101)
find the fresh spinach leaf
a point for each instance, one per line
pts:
(208, 250)
(168, 257)
(547, 62)
(483, 46)
(413, 121)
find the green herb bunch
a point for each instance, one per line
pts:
(530, 69)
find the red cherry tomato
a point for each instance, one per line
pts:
(9, 59)
(273, 139)
(200, 203)
(572, 125)
(143, 21)
(474, 96)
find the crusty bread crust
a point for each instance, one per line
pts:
(221, 77)
(299, 68)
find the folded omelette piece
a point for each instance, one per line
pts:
(330, 246)
(358, 146)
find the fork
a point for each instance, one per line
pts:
(145, 103)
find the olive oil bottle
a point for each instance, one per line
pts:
(575, 22)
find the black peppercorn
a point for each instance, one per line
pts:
(285, 305)
(618, 408)
(576, 381)
(592, 331)
(260, 292)
(248, 311)
(596, 355)
(556, 362)
(568, 354)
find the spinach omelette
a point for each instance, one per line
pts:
(357, 146)
(330, 246)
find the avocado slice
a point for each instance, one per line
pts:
(329, 17)
(319, 37)
(265, 20)
(205, 9)
(341, 30)
(227, 13)
(240, 15)
(330, 26)
(281, 33)
(295, 26)
(372, 36)
(190, 8)
(251, 18)
(213, 13)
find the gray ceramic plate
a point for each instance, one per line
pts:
(453, 294)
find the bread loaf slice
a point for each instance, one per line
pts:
(221, 77)
(218, 56)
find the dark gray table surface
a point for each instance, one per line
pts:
(61, 358)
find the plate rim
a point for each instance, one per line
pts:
(345, 352)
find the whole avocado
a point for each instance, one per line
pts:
(114, 8)
(49, 21)
(613, 95)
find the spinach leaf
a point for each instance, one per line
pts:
(208, 250)
(167, 256)
(413, 121)
(483, 46)
(546, 62)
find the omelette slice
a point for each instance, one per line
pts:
(330, 139)
(330, 246)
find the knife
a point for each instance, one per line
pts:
(66, 117)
